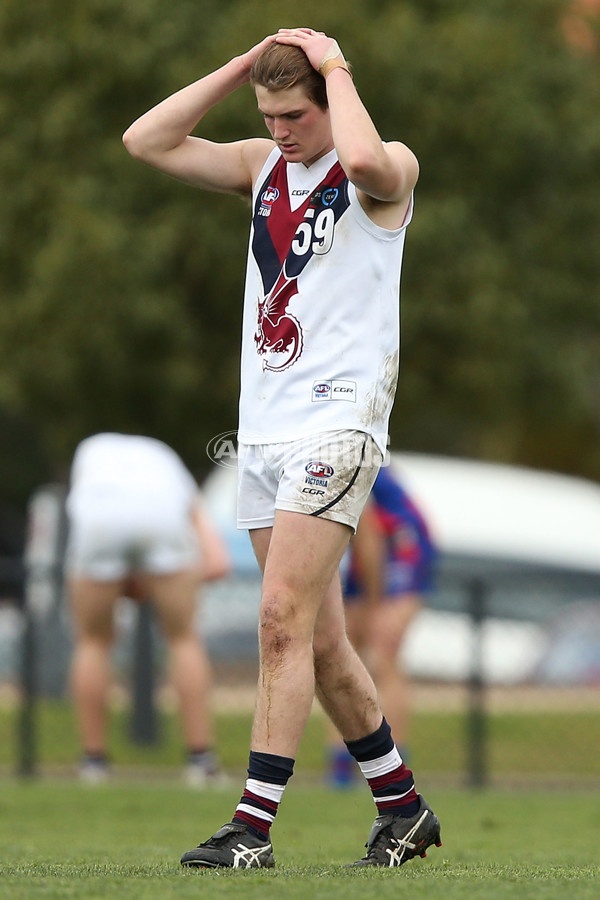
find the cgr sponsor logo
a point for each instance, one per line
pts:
(313, 492)
(343, 390)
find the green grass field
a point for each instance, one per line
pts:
(544, 745)
(61, 840)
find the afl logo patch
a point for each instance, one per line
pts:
(321, 390)
(319, 469)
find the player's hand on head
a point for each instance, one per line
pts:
(316, 44)
(254, 52)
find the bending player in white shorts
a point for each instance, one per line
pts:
(138, 529)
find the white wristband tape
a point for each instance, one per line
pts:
(332, 53)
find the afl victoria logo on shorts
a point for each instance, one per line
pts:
(322, 470)
(317, 473)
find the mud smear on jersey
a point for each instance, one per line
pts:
(379, 401)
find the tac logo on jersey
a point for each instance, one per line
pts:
(325, 196)
(336, 389)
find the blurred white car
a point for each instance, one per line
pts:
(526, 541)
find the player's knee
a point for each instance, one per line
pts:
(280, 627)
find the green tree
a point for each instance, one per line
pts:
(501, 324)
(121, 289)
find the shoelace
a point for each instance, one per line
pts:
(386, 834)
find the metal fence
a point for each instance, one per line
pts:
(504, 660)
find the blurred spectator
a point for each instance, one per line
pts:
(389, 571)
(138, 529)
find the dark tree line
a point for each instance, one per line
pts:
(121, 289)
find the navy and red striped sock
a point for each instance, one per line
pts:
(268, 775)
(391, 782)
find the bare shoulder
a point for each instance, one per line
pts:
(256, 152)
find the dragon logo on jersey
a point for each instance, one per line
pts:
(278, 331)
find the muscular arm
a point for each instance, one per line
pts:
(161, 137)
(215, 559)
(383, 173)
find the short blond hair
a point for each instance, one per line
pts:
(282, 66)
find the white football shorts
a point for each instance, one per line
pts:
(329, 475)
(112, 534)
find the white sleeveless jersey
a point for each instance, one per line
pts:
(320, 347)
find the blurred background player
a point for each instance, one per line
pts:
(137, 529)
(390, 569)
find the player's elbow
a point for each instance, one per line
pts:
(134, 144)
(381, 174)
(141, 142)
(368, 172)
(216, 570)
(216, 566)
(361, 166)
